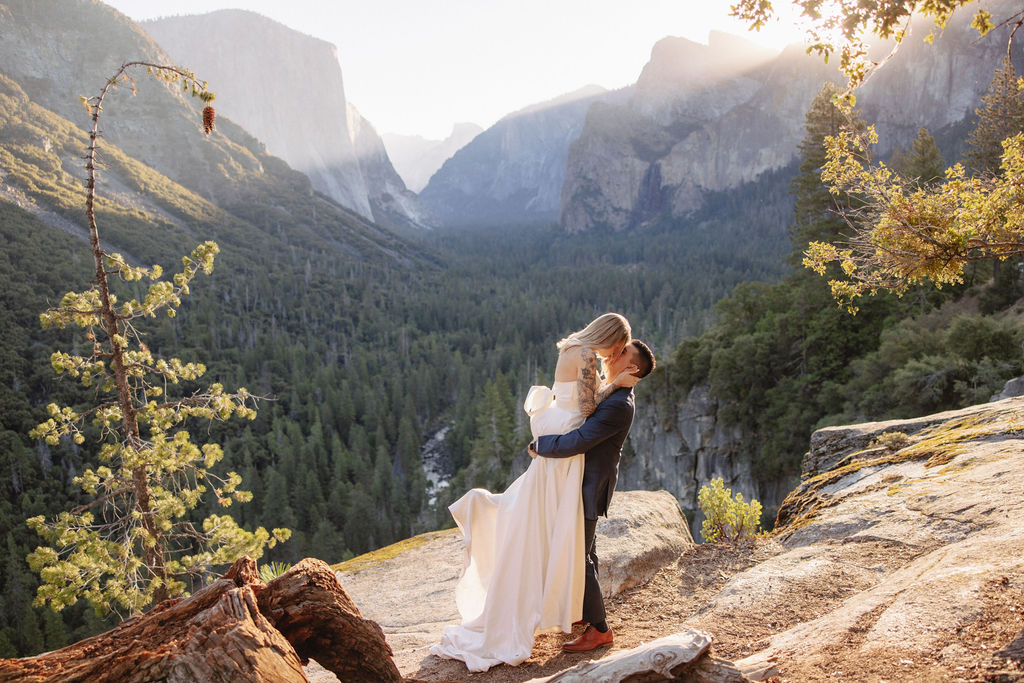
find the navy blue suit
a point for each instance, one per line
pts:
(601, 438)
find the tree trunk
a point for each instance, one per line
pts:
(308, 605)
(235, 629)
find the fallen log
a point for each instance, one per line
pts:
(681, 656)
(308, 605)
(235, 629)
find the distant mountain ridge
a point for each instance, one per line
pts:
(286, 88)
(416, 158)
(701, 119)
(512, 173)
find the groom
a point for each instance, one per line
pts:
(601, 438)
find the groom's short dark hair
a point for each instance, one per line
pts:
(646, 359)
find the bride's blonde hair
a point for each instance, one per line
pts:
(604, 332)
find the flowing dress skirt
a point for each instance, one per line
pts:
(524, 554)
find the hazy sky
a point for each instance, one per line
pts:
(419, 66)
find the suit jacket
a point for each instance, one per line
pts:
(601, 438)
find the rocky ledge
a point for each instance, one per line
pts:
(906, 538)
(900, 556)
(409, 588)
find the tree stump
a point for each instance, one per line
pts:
(235, 629)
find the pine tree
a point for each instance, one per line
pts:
(132, 543)
(30, 636)
(925, 162)
(898, 160)
(409, 460)
(54, 634)
(493, 448)
(7, 638)
(815, 209)
(1000, 117)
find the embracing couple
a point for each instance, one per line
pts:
(530, 558)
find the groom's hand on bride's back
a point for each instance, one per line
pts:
(533, 453)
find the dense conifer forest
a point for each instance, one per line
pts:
(359, 361)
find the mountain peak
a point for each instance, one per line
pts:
(286, 88)
(677, 61)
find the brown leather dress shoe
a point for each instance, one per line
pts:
(590, 640)
(579, 623)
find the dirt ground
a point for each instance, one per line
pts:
(678, 596)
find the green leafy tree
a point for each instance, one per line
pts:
(904, 234)
(133, 542)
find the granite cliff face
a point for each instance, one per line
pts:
(702, 119)
(935, 85)
(417, 159)
(51, 51)
(513, 172)
(680, 445)
(286, 88)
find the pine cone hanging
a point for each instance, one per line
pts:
(208, 117)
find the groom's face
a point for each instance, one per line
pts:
(629, 356)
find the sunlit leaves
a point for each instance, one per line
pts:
(726, 518)
(846, 26)
(906, 234)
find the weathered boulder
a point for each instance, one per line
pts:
(644, 531)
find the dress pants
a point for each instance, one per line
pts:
(593, 601)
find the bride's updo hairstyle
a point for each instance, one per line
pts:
(608, 331)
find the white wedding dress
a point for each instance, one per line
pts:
(524, 549)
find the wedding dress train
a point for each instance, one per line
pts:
(524, 549)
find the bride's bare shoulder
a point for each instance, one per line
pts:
(570, 360)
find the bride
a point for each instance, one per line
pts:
(524, 548)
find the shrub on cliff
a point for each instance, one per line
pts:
(726, 518)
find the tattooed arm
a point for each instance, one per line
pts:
(586, 381)
(589, 387)
(604, 392)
